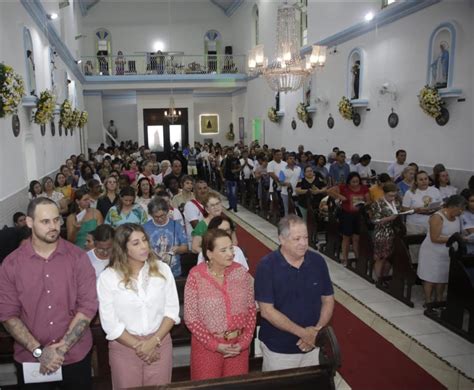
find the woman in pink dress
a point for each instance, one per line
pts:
(219, 310)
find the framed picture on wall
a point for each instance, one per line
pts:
(209, 124)
(241, 128)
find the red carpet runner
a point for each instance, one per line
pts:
(369, 362)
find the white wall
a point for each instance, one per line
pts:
(396, 52)
(136, 25)
(30, 155)
(214, 105)
(123, 111)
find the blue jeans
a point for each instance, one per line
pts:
(232, 193)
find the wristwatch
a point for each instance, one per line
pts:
(38, 351)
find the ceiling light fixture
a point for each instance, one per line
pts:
(289, 70)
(53, 16)
(369, 16)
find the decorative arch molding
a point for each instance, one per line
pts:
(355, 83)
(443, 34)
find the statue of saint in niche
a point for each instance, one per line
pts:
(31, 71)
(440, 67)
(355, 79)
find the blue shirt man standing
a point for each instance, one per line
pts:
(296, 299)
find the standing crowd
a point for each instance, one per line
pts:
(109, 235)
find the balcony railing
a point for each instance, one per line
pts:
(162, 64)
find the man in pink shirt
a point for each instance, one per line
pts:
(47, 300)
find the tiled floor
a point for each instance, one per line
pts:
(442, 353)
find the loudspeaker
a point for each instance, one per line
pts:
(228, 50)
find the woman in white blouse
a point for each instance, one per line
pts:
(138, 306)
(424, 201)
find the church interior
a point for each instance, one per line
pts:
(382, 88)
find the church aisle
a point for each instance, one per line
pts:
(440, 352)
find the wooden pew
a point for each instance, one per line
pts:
(403, 277)
(457, 312)
(363, 265)
(332, 247)
(315, 377)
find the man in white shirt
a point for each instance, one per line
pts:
(396, 168)
(194, 209)
(363, 168)
(274, 168)
(292, 174)
(99, 256)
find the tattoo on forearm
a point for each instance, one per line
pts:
(20, 333)
(73, 335)
(47, 356)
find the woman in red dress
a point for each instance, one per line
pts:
(352, 195)
(219, 310)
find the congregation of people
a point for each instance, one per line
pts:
(111, 233)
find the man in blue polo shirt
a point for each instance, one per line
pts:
(296, 299)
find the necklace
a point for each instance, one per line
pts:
(214, 273)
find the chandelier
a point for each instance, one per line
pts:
(172, 114)
(289, 70)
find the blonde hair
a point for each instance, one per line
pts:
(119, 256)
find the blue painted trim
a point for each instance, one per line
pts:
(29, 101)
(86, 92)
(216, 94)
(233, 7)
(216, 3)
(239, 91)
(83, 7)
(386, 16)
(40, 17)
(452, 51)
(450, 92)
(186, 78)
(168, 91)
(359, 102)
(361, 53)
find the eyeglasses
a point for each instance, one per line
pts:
(161, 216)
(103, 251)
(210, 205)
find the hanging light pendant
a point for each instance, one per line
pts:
(289, 70)
(172, 114)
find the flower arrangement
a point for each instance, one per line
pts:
(272, 115)
(76, 116)
(302, 112)
(345, 108)
(430, 101)
(83, 119)
(65, 114)
(12, 90)
(44, 108)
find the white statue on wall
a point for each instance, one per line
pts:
(440, 67)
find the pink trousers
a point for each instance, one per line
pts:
(128, 370)
(207, 364)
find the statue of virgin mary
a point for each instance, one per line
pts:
(440, 67)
